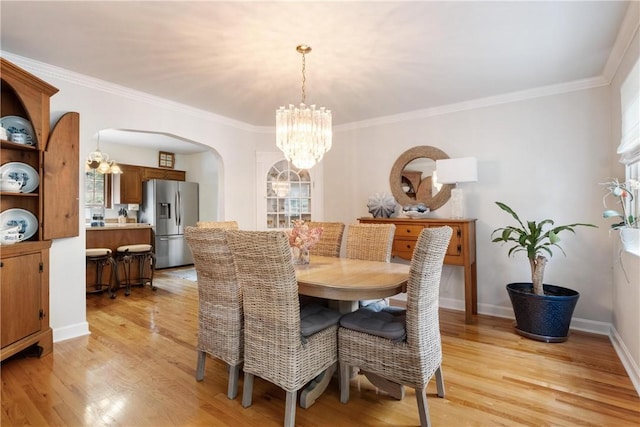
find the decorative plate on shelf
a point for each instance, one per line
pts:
(26, 220)
(23, 173)
(16, 124)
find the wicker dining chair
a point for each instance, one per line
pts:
(226, 225)
(402, 346)
(330, 240)
(371, 242)
(282, 344)
(220, 318)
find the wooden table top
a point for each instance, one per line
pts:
(350, 279)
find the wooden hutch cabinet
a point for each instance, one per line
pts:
(54, 155)
(461, 250)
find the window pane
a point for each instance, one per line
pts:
(288, 195)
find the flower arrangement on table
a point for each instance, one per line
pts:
(626, 193)
(301, 239)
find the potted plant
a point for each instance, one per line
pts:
(628, 225)
(543, 312)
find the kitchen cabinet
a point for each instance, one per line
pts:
(54, 155)
(159, 173)
(461, 250)
(128, 185)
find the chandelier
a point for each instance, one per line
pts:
(100, 161)
(303, 133)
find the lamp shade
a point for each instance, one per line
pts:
(452, 171)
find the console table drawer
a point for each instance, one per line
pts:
(403, 230)
(407, 246)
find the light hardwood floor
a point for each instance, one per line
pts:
(137, 369)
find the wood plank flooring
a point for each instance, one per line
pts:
(137, 369)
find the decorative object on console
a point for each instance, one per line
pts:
(302, 238)
(381, 205)
(454, 171)
(100, 161)
(416, 211)
(303, 134)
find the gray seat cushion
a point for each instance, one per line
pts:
(386, 323)
(314, 318)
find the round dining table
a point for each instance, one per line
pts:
(344, 282)
(349, 280)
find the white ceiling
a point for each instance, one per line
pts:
(369, 60)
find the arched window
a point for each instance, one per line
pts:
(288, 195)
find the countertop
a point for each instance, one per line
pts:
(116, 226)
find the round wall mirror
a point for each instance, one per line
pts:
(411, 179)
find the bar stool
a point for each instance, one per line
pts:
(125, 255)
(101, 257)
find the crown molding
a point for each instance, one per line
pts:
(45, 71)
(626, 33)
(489, 101)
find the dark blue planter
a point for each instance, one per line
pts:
(543, 317)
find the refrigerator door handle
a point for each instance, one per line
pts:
(179, 209)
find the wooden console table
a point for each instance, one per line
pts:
(461, 251)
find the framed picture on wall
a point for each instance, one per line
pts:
(166, 160)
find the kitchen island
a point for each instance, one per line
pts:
(113, 235)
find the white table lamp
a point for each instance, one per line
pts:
(454, 171)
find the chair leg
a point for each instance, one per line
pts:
(345, 377)
(423, 407)
(440, 381)
(290, 409)
(232, 388)
(112, 286)
(247, 390)
(152, 264)
(202, 356)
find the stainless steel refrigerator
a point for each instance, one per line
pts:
(170, 206)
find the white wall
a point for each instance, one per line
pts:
(626, 294)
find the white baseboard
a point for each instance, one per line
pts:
(578, 324)
(72, 331)
(625, 357)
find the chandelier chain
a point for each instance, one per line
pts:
(304, 79)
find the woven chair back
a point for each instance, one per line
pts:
(220, 314)
(423, 289)
(330, 240)
(270, 298)
(226, 225)
(371, 242)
